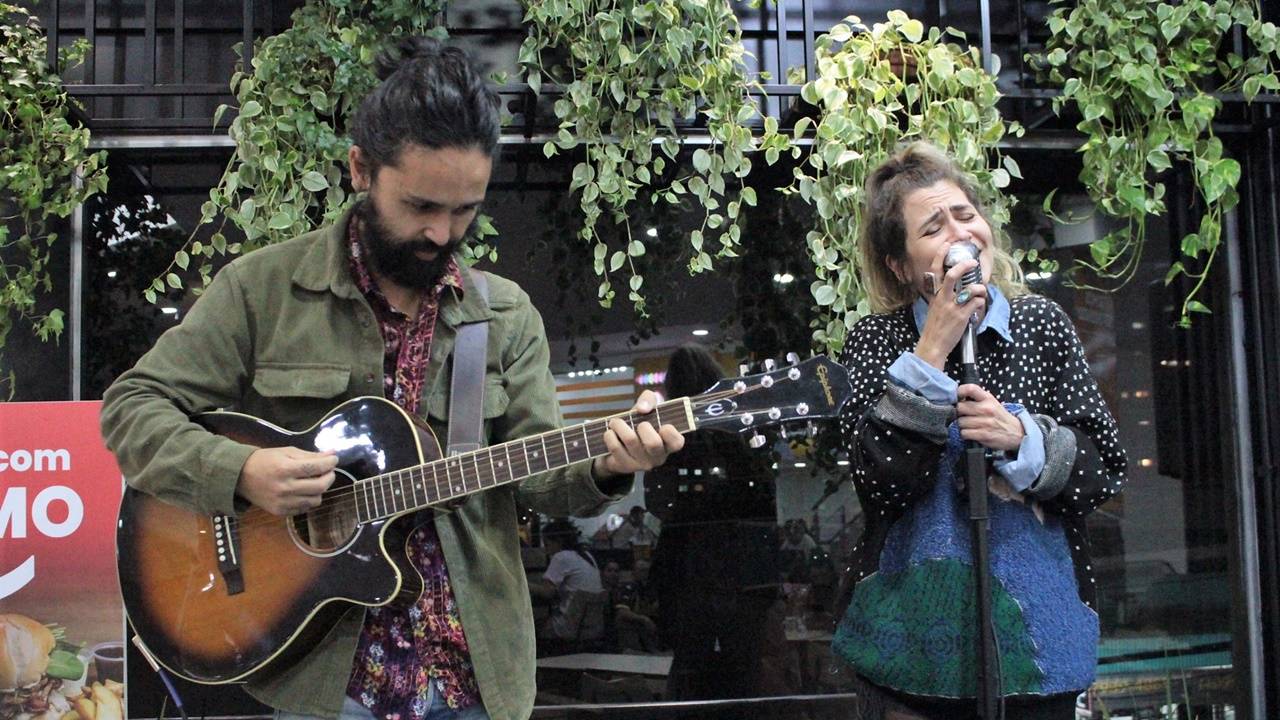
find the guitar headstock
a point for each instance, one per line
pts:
(815, 389)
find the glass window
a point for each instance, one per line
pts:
(717, 577)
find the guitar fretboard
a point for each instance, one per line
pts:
(421, 486)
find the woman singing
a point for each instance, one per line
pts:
(909, 626)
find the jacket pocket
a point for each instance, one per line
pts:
(300, 380)
(495, 402)
(296, 395)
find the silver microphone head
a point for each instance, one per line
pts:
(958, 253)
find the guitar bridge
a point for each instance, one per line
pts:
(226, 535)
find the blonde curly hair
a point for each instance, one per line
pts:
(883, 235)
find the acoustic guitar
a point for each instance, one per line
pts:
(215, 599)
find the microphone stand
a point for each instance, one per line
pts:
(988, 673)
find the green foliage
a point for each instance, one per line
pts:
(294, 105)
(876, 89)
(41, 155)
(633, 73)
(1141, 74)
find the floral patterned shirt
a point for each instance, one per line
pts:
(403, 651)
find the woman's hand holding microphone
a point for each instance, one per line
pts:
(982, 418)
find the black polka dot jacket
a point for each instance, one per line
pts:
(896, 439)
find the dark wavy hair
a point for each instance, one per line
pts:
(563, 530)
(431, 95)
(691, 370)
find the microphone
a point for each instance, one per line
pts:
(958, 253)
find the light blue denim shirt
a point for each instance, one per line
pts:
(913, 373)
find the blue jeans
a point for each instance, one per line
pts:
(436, 710)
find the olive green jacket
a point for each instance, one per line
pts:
(284, 334)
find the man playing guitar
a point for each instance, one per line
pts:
(372, 306)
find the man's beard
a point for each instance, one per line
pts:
(394, 258)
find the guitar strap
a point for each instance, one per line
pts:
(466, 391)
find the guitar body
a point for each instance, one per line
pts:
(216, 599)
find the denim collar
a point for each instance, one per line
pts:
(997, 317)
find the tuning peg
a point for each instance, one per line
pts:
(793, 358)
(744, 369)
(757, 441)
(770, 365)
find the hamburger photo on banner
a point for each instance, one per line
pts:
(38, 679)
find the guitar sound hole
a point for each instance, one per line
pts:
(327, 528)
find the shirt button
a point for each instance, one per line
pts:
(368, 378)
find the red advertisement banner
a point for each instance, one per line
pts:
(61, 616)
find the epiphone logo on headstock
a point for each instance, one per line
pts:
(826, 385)
(721, 407)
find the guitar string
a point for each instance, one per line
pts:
(343, 499)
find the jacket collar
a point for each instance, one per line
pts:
(997, 317)
(324, 267)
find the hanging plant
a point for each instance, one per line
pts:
(1142, 74)
(46, 169)
(665, 230)
(294, 103)
(632, 73)
(875, 89)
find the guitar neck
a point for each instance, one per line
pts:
(395, 493)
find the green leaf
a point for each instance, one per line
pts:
(173, 280)
(280, 221)
(314, 181)
(250, 109)
(701, 160)
(1191, 246)
(1229, 170)
(1011, 166)
(1047, 205)
(182, 259)
(913, 30)
(616, 260)
(1100, 251)
(1197, 307)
